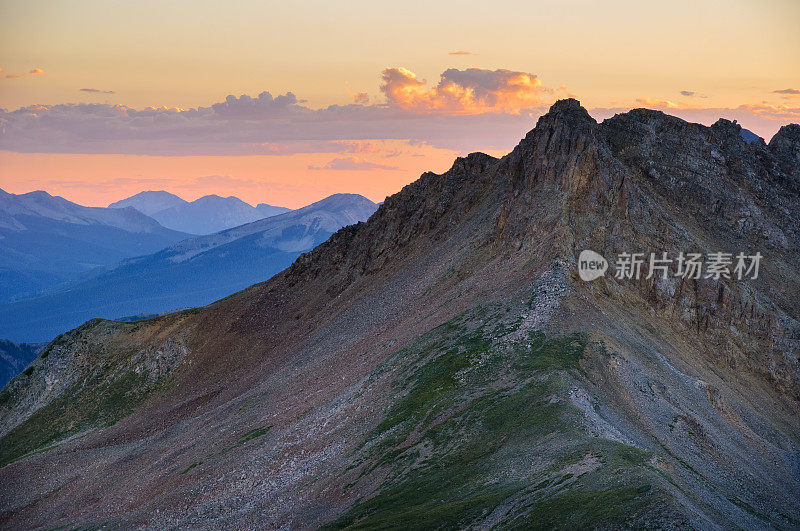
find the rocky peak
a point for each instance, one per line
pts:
(788, 133)
(729, 132)
(561, 127)
(785, 145)
(560, 149)
(567, 112)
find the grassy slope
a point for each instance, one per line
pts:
(483, 431)
(117, 383)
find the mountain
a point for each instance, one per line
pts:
(749, 136)
(267, 211)
(14, 357)
(213, 213)
(206, 215)
(150, 202)
(190, 273)
(46, 240)
(443, 365)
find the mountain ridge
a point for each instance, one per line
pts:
(149, 202)
(205, 215)
(192, 272)
(47, 241)
(451, 333)
(41, 203)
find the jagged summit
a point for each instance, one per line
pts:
(569, 107)
(447, 350)
(567, 113)
(785, 145)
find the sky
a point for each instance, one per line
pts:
(287, 102)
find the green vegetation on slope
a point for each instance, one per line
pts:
(112, 390)
(481, 429)
(81, 407)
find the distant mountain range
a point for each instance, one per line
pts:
(206, 215)
(46, 241)
(190, 273)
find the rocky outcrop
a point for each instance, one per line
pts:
(785, 147)
(89, 361)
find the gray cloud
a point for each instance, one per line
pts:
(263, 106)
(263, 125)
(687, 93)
(500, 106)
(94, 90)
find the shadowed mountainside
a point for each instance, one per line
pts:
(443, 365)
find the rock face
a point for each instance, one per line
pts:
(443, 364)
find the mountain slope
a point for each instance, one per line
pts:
(267, 211)
(149, 202)
(443, 365)
(46, 240)
(193, 272)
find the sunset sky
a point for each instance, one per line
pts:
(287, 102)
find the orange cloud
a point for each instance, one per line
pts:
(772, 112)
(461, 52)
(33, 72)
(470, 91)
(665, 104)
(759, 110)
(359, 98)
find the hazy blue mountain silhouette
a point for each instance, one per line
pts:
(749, 136)
(46, 241)
(190, 273)
(150, 201)
(206, 215)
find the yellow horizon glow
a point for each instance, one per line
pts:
(98, 180)
(609, 53)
